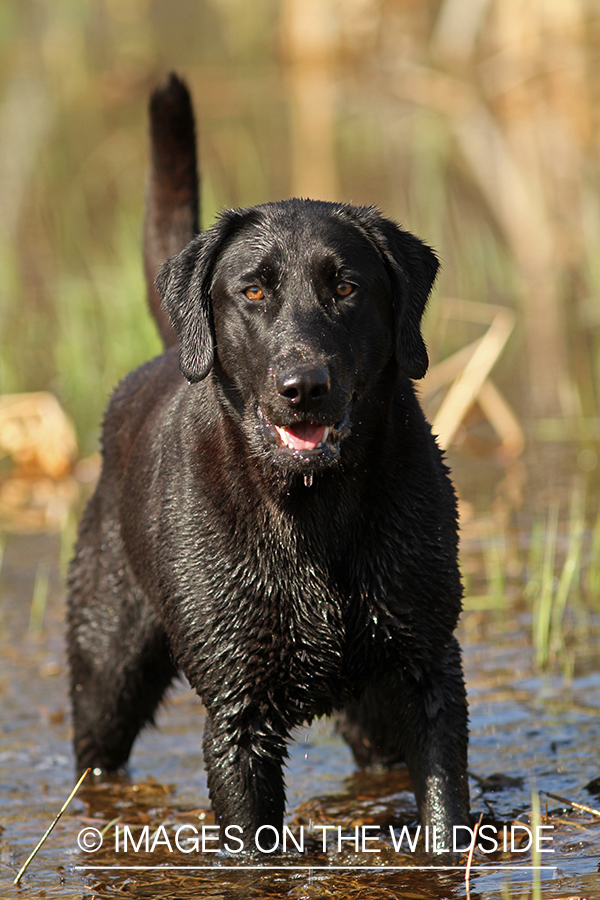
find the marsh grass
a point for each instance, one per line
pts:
(544, 597)
(432, 134)
(549, 572)
(104, 331)
(561, 583)
(495, 568)
(570, 575)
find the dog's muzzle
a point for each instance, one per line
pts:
(304, 441)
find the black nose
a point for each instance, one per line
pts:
(303, 388)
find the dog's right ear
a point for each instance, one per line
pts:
(184, 284)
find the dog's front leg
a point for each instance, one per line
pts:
(418, 715)
(434, 722)
(244, 760)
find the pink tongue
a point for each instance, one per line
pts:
(303, 436)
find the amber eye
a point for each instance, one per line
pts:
(254, 293)
(344, 288)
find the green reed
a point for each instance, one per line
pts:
(543, 603)
(39, 600)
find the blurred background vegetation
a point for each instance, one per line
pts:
(475, 123)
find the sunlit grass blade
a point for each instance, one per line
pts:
(592, 578)
(48, 831)
(571, 568)
(543, 606)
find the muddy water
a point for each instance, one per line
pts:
(527, 732)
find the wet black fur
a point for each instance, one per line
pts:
(205, 549)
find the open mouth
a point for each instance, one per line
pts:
(305, 439)
(303, 435)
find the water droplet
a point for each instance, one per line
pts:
(308, 480)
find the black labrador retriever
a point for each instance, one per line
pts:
(274, 517)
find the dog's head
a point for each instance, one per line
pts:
(298, 306)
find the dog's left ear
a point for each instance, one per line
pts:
(412, 267)
(184, 285)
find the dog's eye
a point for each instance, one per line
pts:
(344, 288)
(254, 293)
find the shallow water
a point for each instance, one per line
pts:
(527, 732)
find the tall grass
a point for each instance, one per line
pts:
(104, 328)
(556, 580)
(544, 599)
(477, 133)
(559, 583)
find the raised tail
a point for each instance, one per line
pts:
(172, 196)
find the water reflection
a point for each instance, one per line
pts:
(528, 732)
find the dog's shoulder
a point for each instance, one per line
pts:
(134, 398)
(147, 404)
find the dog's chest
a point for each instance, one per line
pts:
(261, 615)
(292, 601)
(280, 606)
